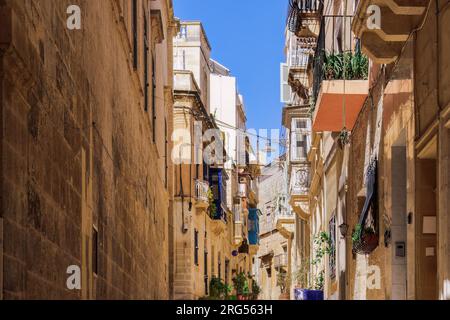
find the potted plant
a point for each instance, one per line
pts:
(283, 283)
(218, 290)
(312, 289)
(364, 239)
(256, 290)
(240, 285)
(348, 65)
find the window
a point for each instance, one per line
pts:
(286, 91)
(219, 266)
(183, 32)
(301, 124)
(301, 150)
(134, 11)
(94, 250)
(196, 247)
(227, 271)
(180, 60)
(154, 99)
(146, 48)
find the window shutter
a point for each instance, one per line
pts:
(286, 90)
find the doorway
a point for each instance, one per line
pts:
(426, 222)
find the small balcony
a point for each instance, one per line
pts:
(253, 193)
(238, 233)
(383, 42)
(238, 216)
(299, 188)
(201, 194)
(242, 190)
(253, 230)
(280, 261)
(341, 83)
(285, 222)
(304, 16)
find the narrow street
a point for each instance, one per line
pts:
(225, 151)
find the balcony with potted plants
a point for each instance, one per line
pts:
(340, 80)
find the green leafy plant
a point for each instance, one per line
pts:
(256, 289)
(359, 231)
(319, 282)
(301, 276)
(241, 284)
(322, 244)
(322, 247)
(212, 206)
(218, 289)
(283, 280)
(347, 65)
(356, 235)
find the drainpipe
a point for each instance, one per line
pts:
(5, 41)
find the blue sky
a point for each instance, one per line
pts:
(247, 36)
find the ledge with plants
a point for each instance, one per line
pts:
(219, 290)
(346, 65)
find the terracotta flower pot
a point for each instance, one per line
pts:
(285, 296)
(367, 244)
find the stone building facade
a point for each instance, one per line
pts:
(210, 217)
(408, 111)
(379, 153)
(273, 254)
(86, 120)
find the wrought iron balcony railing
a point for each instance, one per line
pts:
(280, 261)
(335, 37)
(301, 11)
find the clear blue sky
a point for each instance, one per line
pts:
(247, 36)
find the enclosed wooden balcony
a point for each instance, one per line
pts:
(384, 41)
(299, 189)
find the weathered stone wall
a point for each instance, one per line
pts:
(358, 266)
(78, 154)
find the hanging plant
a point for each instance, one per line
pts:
(364, 239)
(344, 138)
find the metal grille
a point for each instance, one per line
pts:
(300, 10)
